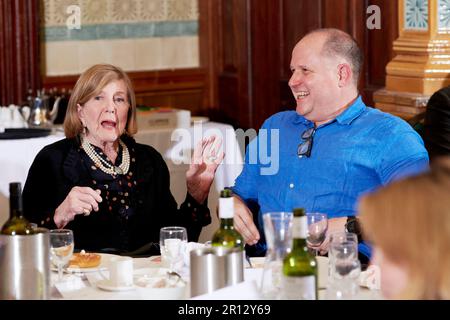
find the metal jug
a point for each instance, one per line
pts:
(40, 114)
(25, 266)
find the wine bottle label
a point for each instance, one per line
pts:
(300, 228)
(226, 208)
(298, 288)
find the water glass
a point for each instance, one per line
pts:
(61, 248)
(317, 229)
(173, 244)
(344, 266)
(345, 282)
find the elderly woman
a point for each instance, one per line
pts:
(111, 191)
(409, 225)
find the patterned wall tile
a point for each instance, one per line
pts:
(124, 10)
(120, 11)
(59, 14)
(46, 12)
(95, 11)
(180, 9)
(444, 14)
(164, 29)
(416, 15)
(153, 10)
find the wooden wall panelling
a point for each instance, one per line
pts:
(298, 17)
(235, 68)
(266, 48)
(177, 88)
(210, 60)
(379, 48)
(19, 45)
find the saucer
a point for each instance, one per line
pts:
(106, 285)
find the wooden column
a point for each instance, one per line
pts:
(19, 50)
(421, 64)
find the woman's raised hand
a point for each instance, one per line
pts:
(80, 200)
(204, 162)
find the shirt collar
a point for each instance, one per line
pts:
(352, 112)
(346, 117)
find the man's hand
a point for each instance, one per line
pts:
(243, 222)
(334, 225)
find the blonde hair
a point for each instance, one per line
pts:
(409, 220)
(89, 84)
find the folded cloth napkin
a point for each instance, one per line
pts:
(371, 278)
(189, 247)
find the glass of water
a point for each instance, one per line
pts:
(173, 242)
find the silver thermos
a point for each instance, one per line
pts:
(25, 266)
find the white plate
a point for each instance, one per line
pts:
(102, 266)
(106, 285)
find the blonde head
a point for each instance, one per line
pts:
(409, 221)
(89, 84)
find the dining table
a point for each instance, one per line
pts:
(79, 285)
(174, 144)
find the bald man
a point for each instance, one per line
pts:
(332, 148)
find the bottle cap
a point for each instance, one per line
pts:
(226, 193)
(299, 212)
(15, 188)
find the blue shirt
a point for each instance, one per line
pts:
(360, 150)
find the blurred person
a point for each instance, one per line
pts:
(112, 192)
(333, 148)
(408, 223)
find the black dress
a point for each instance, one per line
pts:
(134, 208)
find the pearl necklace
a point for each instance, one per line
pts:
(104, 165)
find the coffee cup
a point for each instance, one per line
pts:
(120, 272)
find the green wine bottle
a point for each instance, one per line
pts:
(299, 279)
(226, 236)
(17, 224)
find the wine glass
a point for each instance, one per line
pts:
(317, 230)
(61, 248)
(173, 241)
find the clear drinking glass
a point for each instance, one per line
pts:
(343, 245)
(61, 248)
(345, 282)
(173, 242)
(278, 233)
(344, 266)
(317, 230)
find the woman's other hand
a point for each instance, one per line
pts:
(204, 163)
(80, 200)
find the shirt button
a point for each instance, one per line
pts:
(291, 186)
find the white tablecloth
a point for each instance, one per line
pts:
(16, 157)
(81, 287)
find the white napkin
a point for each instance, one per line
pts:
(70, 287)
(371, 278)
(189, 247)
